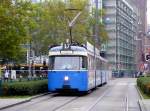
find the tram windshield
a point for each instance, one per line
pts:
(68, 63)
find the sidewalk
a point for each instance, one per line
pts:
(9, 102)
(145, 104)
(5, 103)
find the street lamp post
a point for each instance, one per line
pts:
(29, 60)
(96, 36)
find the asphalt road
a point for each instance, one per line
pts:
(122, 96)
(117, 95)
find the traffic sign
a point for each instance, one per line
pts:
(147, 57)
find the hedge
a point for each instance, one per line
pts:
(144, 84)
(25, 88)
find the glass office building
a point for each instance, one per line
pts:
(121, 25)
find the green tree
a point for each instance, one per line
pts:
(43, 24)
(14, 23)
(53, 18)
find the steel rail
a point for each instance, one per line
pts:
(126, 103)
(61, 106)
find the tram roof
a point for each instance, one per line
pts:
(72, 48)
(79, 50)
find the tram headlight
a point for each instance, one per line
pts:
(66, 78)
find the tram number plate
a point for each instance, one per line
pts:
(66, 52)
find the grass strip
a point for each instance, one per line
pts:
(145, 96)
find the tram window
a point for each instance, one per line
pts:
(68, 63)
(101, 65)
(84, 63)
(90, 62)
(51, 62)
(98, 64)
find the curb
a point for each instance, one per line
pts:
(142, 107)
(140, 101)
(24, 101)
(40, 95)
(11, 105)
(141, 97)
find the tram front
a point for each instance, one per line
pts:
(67, 69)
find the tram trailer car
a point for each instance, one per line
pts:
(75, 68)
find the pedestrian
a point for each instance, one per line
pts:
(0, 72)
(6, 76)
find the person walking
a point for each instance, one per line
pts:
(6, 75)
(0, 80)
(0, 73)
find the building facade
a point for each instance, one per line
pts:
(121, 20)
(141, 8)
(147, 50)
(147, 40)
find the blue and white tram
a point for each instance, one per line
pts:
(75, 68)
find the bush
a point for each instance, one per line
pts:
(144, 84)
(25, 88)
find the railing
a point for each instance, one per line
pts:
(23, 75)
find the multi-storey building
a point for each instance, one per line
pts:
(121, 25)
(141, 7)
(147, 49)
(147, 41)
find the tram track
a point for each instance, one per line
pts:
(53, 102)
(98, 100)
(57, 109)
(121, 97)
(104, 95)
(126, 104)
(64, 100)
(116, 96)
(42, 98)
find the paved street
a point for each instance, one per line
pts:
(114, 96)
(121, 94)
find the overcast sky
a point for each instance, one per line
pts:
(148, 11)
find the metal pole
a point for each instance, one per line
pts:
(70, 30)
(72, 23)
(0, 81)
(96, 25)
(0, 86)
(96, 36)
(29, 65)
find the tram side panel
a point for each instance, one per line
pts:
(98, 77)
(102, 77)
(91, 72)
(91, 79)
(108, 75)
(101, 74)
